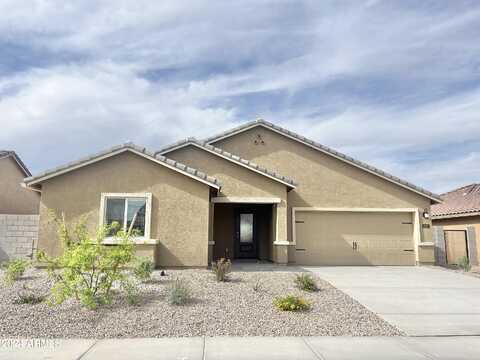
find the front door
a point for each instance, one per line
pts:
(245, 239)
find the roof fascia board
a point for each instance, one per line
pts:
(227, 158)
(18, 161)
(325, 152)
(459, 215)
(113, 153)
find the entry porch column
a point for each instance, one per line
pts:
(280, 242)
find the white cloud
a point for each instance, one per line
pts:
(67, 112)
(101, 96)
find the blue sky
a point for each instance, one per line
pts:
(392, 83)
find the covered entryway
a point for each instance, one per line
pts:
(335, 237)
(243, 231)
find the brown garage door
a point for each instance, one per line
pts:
(354, 238)
(455, 245)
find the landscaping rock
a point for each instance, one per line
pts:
(218, 308)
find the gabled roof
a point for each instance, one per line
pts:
(230, 157)
(464, 201)
(13, 154)
(326, 150)
(141, 151)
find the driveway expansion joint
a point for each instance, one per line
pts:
(204, 355)
(409, 345)
(88, 350)
(315, 353)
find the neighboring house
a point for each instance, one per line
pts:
(457, 220)
(269, 194)
(15, 199)
(18, 209)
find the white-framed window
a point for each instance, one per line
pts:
(131, 210)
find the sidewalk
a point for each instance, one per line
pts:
(221, 348)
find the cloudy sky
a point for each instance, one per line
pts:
(392, 83)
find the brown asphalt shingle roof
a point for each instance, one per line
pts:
(187, 170)
(234, 158)
(326, 150)
(462, 201)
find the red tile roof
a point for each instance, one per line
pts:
(462, 201)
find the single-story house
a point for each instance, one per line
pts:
(258, 191)
(457, 221)
(14, 199)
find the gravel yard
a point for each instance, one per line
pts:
(230, 308)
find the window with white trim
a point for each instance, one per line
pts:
(131, 211)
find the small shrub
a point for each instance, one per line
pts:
(222, 268)
(87, 270)
(291, 303)
(306, 282)
(131, 292)
(28, 296)
(14, 270)
(178, 292)
(257, 286)
(143, 269)
(464, 264)
(30, 299)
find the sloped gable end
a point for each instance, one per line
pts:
(225, 140)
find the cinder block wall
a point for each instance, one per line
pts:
(18, 234)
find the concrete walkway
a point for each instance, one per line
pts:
(244, 348)
(421, 301)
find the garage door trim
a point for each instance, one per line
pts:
(414, 211)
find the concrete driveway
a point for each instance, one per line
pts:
(421, 301)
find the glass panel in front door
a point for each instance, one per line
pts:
(246, 228)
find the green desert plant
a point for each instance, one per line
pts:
(257, 285)
(143, 269)
(291, 303)
(131, 292)
(87, 270)
(306, 282)
(30, 299)
(28, 296)
(464, 264)
(178, 292)
(15, 270)
(222, 268)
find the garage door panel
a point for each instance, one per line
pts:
(328, 238)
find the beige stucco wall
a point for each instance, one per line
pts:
(462, 223)
(15, 199)
(236, 180)
(323, 180)
(180, 205)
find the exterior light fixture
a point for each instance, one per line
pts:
(426, 215)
